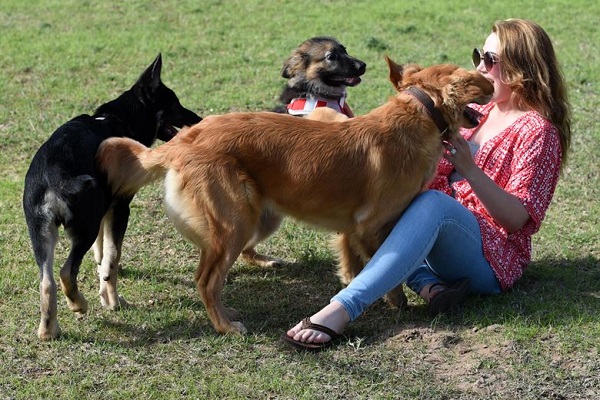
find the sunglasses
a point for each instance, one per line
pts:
(489, 59)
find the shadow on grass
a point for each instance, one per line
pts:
(270, 300)
(550, 292)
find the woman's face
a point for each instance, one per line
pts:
(502, 92)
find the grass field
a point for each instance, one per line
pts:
(58, 59)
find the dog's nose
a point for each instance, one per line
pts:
(361, 67)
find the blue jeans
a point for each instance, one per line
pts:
(436, 239)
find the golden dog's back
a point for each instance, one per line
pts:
(306, 167)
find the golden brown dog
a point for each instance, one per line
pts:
(354, 177)
(318, 72)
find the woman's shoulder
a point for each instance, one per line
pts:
(532, 133)
(532, 124)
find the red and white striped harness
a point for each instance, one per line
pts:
(304, 105)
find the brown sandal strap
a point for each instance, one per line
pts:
(307, 324)
(436, 285)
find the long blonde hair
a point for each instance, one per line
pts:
(531, 69)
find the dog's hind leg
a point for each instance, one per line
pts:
(225, 238)
(210, 280)
(82, 230)
(68, 275)
(220, 216)
(268, 223)
(40, 208)
(113, 227)
(44, 236)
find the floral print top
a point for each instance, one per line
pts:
(525, 161)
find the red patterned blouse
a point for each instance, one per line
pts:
(525, 161)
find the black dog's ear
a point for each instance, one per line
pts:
(150, 78)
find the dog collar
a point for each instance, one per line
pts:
(433, 112)
(304, 105)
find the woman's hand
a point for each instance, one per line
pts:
(459, 154)
(505, 208)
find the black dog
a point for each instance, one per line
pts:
(64, 187)
(318, 72)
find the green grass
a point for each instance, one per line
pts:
(63, 58)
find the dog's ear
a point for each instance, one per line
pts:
(150, 78)
(289, 66)
(395, 71)
(399, 73)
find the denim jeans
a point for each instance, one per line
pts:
(436, 239)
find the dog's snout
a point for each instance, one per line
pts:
(361, 67)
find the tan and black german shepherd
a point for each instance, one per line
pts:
(64, 187)
(318, 73)
(353, 177)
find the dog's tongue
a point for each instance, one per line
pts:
(472, 115)
(352, 81)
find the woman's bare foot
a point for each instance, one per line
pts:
(333, 316)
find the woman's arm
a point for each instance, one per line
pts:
(505, 208)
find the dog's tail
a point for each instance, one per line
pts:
(129, 165)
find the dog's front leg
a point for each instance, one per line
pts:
(97, 248)
(114, 227)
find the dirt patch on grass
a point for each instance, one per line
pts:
(482, 363)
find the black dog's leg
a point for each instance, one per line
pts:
(80, 244)
(113, 230)
(44, 235)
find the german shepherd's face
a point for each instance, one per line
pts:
(158, 106)
(321, 66)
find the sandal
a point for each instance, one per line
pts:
(448, 299)
(312, 347)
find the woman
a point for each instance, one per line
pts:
(490, 195)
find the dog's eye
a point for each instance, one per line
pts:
(331, 56)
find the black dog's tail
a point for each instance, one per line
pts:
(129, 165)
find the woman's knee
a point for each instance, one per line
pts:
(435, 204)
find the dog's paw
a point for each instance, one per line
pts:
(397, 298)
(48, 330)
(260, 260)
(275, 263)
(237, 328)
(345, 279)
(112, 301)
(79, 306)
